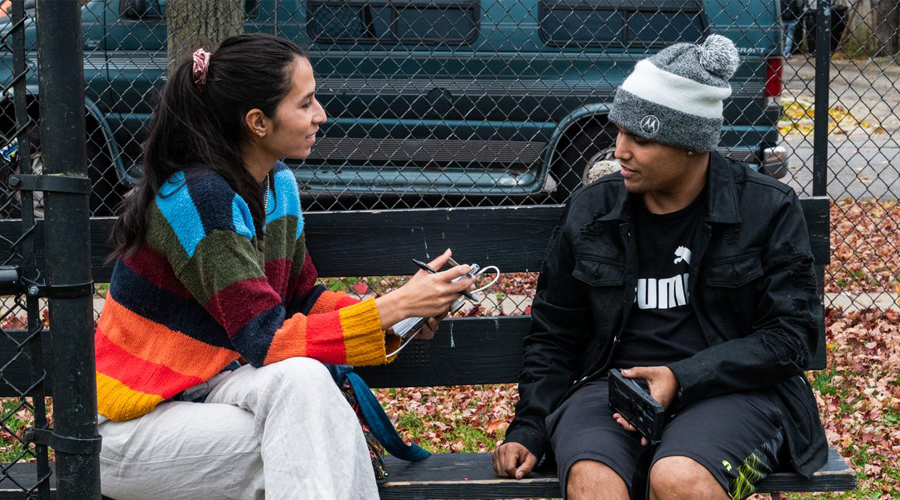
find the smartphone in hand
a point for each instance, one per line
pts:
(629, 399)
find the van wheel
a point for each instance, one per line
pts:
(578, 156)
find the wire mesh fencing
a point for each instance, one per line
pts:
(454, 103)
(862, 154)
(449, 103)
(458, 103)
(22, 315)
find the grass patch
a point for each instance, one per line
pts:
(412, 423)
(15, 419)
(891, 418)
(464, 438)
(337, 284)
(822, 382)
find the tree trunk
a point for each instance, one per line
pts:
(887, 27)
(193, 24)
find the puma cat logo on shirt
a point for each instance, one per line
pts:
(682, 254)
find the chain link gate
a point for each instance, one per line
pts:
(21, 322)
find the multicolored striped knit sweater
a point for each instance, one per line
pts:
(199, 294)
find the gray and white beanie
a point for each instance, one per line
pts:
(675, 96)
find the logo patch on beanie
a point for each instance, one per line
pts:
(650, 125)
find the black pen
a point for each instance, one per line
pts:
(425, 267)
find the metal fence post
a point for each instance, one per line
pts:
(61, 73)
(823, 77)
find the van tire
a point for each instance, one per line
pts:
(579, 154)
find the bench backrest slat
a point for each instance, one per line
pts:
(381, 243)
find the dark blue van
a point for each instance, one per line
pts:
(438, 101)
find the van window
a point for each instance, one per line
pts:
(624, 23)
(393, 21)
(156, 9)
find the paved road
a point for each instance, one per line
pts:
(866, 162)
(858, 167)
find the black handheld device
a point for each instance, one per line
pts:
(637, 406)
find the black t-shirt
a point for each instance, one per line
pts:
(662, 328)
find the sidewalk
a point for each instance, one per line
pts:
(850, 302)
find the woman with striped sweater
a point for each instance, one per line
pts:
(211, 344)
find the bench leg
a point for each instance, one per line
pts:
(776, 495)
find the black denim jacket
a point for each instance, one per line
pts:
(752, 286)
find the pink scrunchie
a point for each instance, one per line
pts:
(201, 64)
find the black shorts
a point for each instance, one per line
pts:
(736, 437)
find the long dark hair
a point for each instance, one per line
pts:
(202, 127)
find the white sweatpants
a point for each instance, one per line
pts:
(281, 431)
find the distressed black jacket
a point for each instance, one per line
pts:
(752, 286)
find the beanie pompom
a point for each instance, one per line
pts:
(719, 56)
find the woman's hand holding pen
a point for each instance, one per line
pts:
(426, 295)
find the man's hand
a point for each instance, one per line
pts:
(513, 460)
(663, 388)
(662, 381)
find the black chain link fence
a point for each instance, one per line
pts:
(455, 103)
(25, 411)
(22, 317)
(862, 153)
(450, 103)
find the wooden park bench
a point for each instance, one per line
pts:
(483, 350)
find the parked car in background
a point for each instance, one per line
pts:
(436, 101)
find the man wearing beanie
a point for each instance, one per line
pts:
(693, 275)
